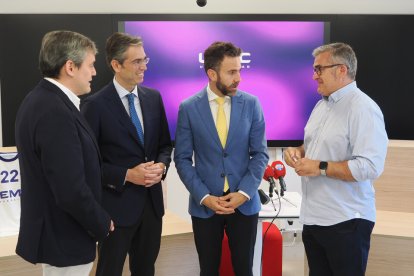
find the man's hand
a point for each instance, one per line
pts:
(145, 174)
(307, 167)
(213, 202)
(111, 227)
(155, 172)
(292, 155)
(232, 200)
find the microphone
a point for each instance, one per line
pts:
(201, 3)
(279, 171)
(268, 176)
(264, 198)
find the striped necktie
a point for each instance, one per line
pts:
(135, 119)
(221, 125)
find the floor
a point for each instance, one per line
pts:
(293, 255)
(177, 257)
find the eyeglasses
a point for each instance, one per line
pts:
(319, 68)
(141, 61)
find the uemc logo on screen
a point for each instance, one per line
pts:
(244, 58)
(7, 178)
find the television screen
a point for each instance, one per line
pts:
(276, 66)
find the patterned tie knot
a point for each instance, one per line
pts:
(130, 98)
(220, 100)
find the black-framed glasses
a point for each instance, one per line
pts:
(319, 68)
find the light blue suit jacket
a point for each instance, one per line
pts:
(243, 160)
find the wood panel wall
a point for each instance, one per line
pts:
(395, 187)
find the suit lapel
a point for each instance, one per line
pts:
(85, 125)
(145, 104)
(74, 111)
(237, 104)
(204, 110)
(116, 107)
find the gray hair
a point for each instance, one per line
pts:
(60, 46)
(117, 45)
(340, 53)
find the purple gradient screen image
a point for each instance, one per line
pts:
(276, 65)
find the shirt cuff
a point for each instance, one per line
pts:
(204, 197)
(243, 193)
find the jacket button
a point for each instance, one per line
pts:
(222, 175)
(225, 155)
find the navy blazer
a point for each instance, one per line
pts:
(61, 218)
(243, 159)
(118, 141)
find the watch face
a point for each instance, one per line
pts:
(323, 165)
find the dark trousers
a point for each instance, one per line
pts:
(140, 241)
(241, 232)
(338, 250)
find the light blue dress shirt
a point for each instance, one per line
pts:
(347, 125)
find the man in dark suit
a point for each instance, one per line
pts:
(61, 217)
(131, 127)
(224, 129)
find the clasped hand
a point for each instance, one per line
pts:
(225, 205)
(146, 174)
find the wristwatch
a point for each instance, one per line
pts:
(323, 166)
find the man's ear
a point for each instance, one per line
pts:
(344, 69)
(69, 67)
(212, 75)
(115, 65)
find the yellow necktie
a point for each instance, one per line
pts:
(221, 125)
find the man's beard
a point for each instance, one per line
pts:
(223, 88)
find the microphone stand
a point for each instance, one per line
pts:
(271, 187)
(282, 186)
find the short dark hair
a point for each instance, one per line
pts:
(215, 53)
(60, 46)
(117, 44)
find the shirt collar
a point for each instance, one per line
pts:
(213, 96)
(122, 92)
(72, 96)
(340, 93)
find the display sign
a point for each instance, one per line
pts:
(9, 194)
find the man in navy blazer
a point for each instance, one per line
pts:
(61, 215)
(240, 163)
(132, 171)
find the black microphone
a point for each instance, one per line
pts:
(201, 3)
(268, 176)
(264, 198)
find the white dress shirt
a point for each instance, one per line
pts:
(72, 96)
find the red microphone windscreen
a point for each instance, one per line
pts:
(268, 173)
(279, 169)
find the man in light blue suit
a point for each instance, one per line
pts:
(230, 154)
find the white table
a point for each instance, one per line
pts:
(289, 209)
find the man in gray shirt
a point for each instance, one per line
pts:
(344, 151)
